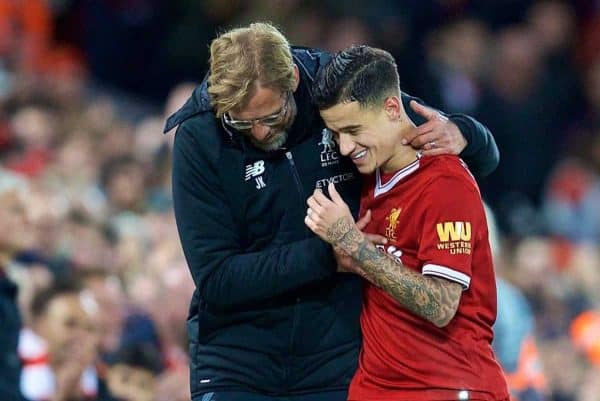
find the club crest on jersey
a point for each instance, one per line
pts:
(329, 156)
(392, 219)
(256, 170)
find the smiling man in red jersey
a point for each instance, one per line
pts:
(429, 300)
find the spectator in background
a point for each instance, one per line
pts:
(515, 343)
(454, 75)
(571, 202)
(14, 237)
(122, 179)
(106, 288)
(132, 373)
(553, 27)
(61, 346)
(519, 112)
(572, 196)
(34, 129)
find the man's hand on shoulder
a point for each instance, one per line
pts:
(437, 136)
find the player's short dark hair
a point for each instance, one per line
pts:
(364, 74)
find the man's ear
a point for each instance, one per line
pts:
(296, 77)
(393, 107)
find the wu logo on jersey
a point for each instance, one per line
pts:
(454, 231)
(455, 237)
(390, 231)
(255, 170)
(329, 155)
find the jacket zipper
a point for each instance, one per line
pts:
(296, 175)
(300, 189)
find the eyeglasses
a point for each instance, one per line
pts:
(269, 121)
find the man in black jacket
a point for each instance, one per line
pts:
(14, 237)
(270, 318)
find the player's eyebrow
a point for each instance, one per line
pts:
(347, 128)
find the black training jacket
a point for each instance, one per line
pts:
(269, 313)
(10, 325)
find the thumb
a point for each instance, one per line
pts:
(362, 223)
(334, 195)
(423, 111)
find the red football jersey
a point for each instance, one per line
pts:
(432, 215)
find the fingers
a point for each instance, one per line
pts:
(362, 223)
(423, 111)
(310, 223)
(425, 138)
(376, 239)
(335, 196)
(320, 197)
(314, 205)
(316, 208)
(416, 132)
(435, 152)
(415, 136)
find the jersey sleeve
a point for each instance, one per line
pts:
(452, 221)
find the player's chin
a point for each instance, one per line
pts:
(365, 164)
(365, 169)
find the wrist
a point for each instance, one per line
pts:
(350, 240)
(339, 229)
(463, 128)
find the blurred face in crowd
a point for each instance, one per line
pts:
(516, 70)
(110, 298)
(14, 233)
(130, 383)
(266, 117)
(592, 86)
(68, 329)
(553, 24)
(34, 127)
(126, 187)
(463, 47)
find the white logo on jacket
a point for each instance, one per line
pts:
(255, 170)
(329, 155)
(336, 179)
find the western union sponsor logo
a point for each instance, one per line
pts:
(454, 231)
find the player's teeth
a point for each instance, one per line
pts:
(360, 154)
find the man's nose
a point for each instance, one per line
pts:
(259, 131)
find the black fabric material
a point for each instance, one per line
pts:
(10, 325)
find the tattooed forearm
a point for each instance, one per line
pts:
(432, 298)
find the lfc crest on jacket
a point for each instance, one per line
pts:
(329, 156)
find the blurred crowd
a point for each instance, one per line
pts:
(85, 87)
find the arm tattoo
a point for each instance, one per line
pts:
(432, 298)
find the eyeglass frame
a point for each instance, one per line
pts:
(277, 117)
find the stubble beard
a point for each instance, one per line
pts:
(280, 137)
(276, 141)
